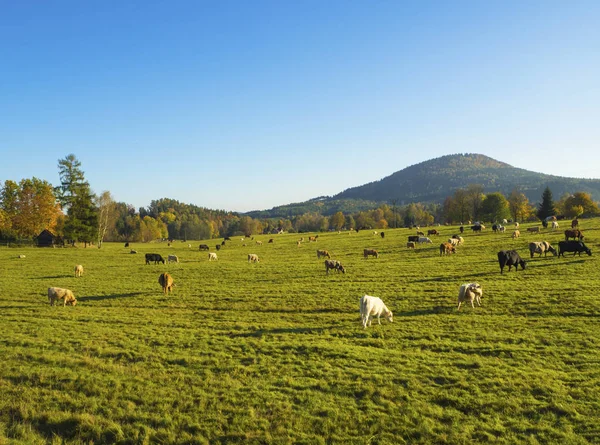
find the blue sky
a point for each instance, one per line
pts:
(243, 105)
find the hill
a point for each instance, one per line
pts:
(433, 180)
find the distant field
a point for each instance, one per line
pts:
(274, 352)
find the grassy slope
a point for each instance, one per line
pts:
(274, 352)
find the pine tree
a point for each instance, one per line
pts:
(546, 208)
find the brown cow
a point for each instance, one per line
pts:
(370, 252)
(447, 249)
(574, 223)
(573, 233)
(166, 282)
(432, 232)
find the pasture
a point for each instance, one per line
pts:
(274, 351)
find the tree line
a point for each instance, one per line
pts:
(72, 212)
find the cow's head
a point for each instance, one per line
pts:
(389, 316)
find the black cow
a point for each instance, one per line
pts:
(476, 228)
(218, 247)
(154, 257)
(572, 246)
(227, 238)
(382, 235)
(204, 247)
(510, 258)
(413, 238)
(127, 244)
(462, 229)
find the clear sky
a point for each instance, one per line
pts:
(243, 105)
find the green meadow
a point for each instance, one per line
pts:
(274, 352)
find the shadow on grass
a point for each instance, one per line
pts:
(260, 332)
(52, 277)
(109, 297)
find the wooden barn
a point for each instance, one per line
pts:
(47, 239)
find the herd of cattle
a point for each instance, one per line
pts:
(373, 306)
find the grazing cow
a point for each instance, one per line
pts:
(335, 265)
(432, 232)
(298, 243)
(374, 232)
(166, 282)
(373, 307)
(410, 245)
(462, 229)
(453, 242)
(572, 246)
(126, 245)
(154, 257)
(516, 225)
(313, 238)
(133, 251)
(413, 238)
(470, 292)
(212, 256)
(253, 258)
(58, 293)
(226, 239)
(424, 239)
(574, 223)
(554, 225)
(476, 228)
(541, 247)
(496, 227)
(223, 243)
(21, 256)
(172, 259)
(533, 229)
(419, 233)
(573, 233)
(203, 247)
(459, 238)
(516, 234)
(271, 240)
(301, 240)
(510, 258)
(78, 271)
(218, 247)
(550, 218)
(370, 252)
(504, 221)
(382, 235)
(259, 243)
(324, 253)
(447, 248)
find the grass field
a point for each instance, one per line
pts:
(274, 352)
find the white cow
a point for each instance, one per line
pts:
(78, 271)
(470, 292)
(253, 258)
(554, 225)
(424, 239)
(212, 256)
(58, 293)
(371, 307)
(172, 259)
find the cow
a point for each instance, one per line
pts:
(453, 242)
(420, 233)
(541, 247)
(476, 228)
(413, 238)
(516, 234)
(516, 225)
(554, 225)
(424, 240)
(496, 228)
(573, 233)
(126, 245)
(370, 252)
(535, 229)
(324, 253)
(253, 258)
(382, 234)
(501, 229)
(373, 307)
(574, 223)
(271, 240)
(166, 282)
(550, 218)
(462, 229)
(572, 246)
(470, 292)
(58, 293)
(203, 247)
(172, 259)
(154, 257)
(218, 247)
(447, 248)
(410, 245)
(432, 232)
(259, 243)
(299, 243)
(212, 256)
(459, 238)
(335, 265)
(510, 258)
(133, 251)
(312, 239)
(226, 239)
(374, 232)
(78, 271)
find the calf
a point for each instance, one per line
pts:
(335, 265)
(510, 258)
(470, 292)
(154, 257)
(78, 271)
(58, 293)
(166, 282)
(370, 252)
(373, 307)
(324, 253)
(572, 246)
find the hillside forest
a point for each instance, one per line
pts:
(74, 213)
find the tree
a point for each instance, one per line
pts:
(71, 180)
(546, 208)
(494, 207)
(337, 221)
(36, 208)
(474, 196)
(106, 215)
(518, 205)
(580, 203)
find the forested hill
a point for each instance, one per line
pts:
(434, 180)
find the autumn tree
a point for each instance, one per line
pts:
(474, 196)
(518, 205)
(579, 203)
(546, 207)
(106, 215)
(337, 221)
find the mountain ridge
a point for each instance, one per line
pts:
(433, 180)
